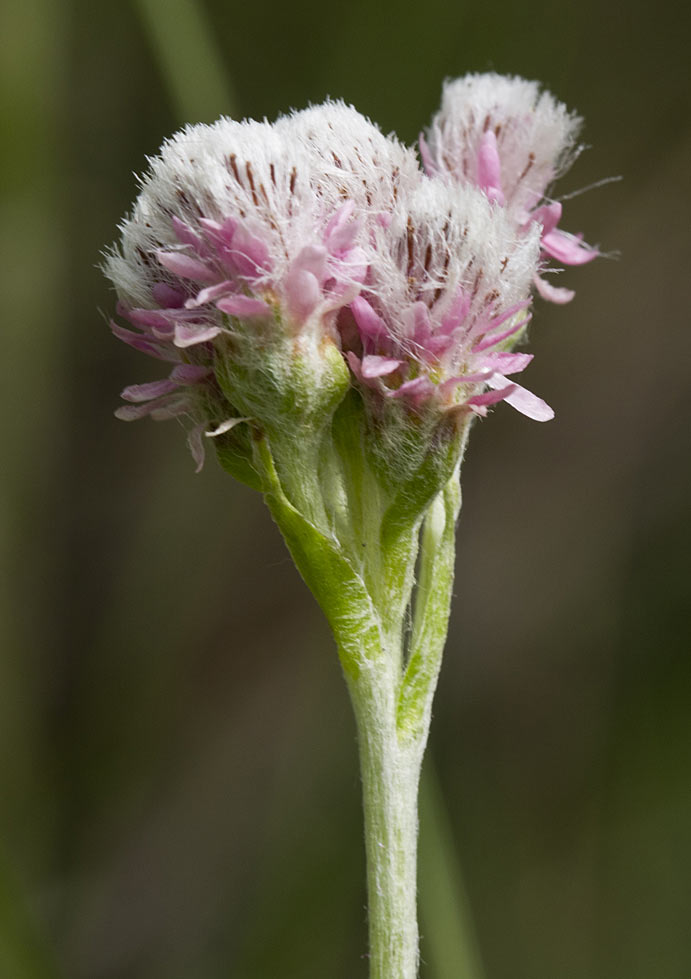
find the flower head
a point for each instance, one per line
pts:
(353, 160)
(235, 243)
(447, 295)
(276, 265)
(511, 140)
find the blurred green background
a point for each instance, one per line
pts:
(179, 792)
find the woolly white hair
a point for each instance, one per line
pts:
(353, 159)
(536, 134)
(249, 170)
(281, 179)
(445, 238)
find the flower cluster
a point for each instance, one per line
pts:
(254, 243)
(511, 140)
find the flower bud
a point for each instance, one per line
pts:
(509, 139)
(448, 293)
(233, 265)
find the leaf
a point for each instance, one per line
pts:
(431, 615)
(415, 495)
(333, 581)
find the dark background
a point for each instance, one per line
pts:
(179, 793)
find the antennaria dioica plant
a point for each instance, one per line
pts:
(337, 318)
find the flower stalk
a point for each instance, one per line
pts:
(391, 669)
(390, 769)
(393, 713)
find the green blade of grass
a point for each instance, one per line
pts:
(449, 945)
(34, 247)
(189, 59)
(24, 952)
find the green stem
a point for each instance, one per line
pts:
(393, 713)
(390, 775)
(392, 703)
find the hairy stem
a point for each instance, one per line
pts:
(363, 579)
(393, 711)
(390, 776)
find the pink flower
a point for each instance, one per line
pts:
(275, 264)
(504, 136)
(235, 240)
(447, 295)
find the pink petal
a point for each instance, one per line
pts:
(188, 268)
(416, 389)
(507, 363)
(457, 311)
(553, 294)
(567, 248)
(167, 296)
(489, 167)
(147, 317)
(374, 366)
(142, 343)
(164, 333)
(188, 334)
(303, 293)
(250, 254)
(341, 231)
(485, 325)
(159, 409)
(154, 319)
(492, 397)
(222, 234)
(312, 258)
(340, 218)
(369, 323)
(438, 343)
(480, 375)
(453, 382)
(428, 163)
(354, 264)
(523, 400)
(339, 294)
(145, 392)
(185, 235)
(220, 237)
(210, 293)
(132, 413)
(548, 216)
(492, 339)
(244, 307)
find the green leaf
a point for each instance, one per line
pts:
(233, 451)
(335, 584)
(431, 616)
(415, 495)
